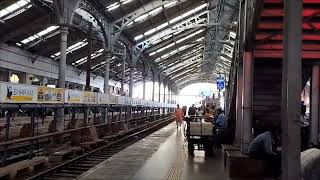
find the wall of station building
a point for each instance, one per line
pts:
(38, 70)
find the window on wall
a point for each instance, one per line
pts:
(4, 75)
(14, 78)
(37, 80)
(51, 83)
(17, 77)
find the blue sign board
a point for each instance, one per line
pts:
(220, 83)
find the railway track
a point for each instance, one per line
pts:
(76, 167)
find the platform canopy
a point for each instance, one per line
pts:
(183, 41)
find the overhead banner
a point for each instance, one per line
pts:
(72, 96)
(50, 95)
(18, 93)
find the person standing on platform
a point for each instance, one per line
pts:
(179, 116)
(305, 129)
(192, 110)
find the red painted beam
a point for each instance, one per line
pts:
(280, 12)
(281, 1)
(311, 55)
(278, 25)
(306, 47)
(263, 36)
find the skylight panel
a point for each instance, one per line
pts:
(72, 48)
(39, 34)
(15, 9)
(138, 37)
(125, 1)
(113, 6)
(150, 31)
(176, 19)
(155, 11)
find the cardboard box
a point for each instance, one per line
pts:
(201, 129)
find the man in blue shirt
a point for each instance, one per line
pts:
(219, 121)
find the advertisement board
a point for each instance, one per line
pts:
(18, 93)
(103, 98)
(72, 96)
(50, 95)
(89, 97)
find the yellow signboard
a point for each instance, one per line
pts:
(50, 95)
(72, 96)
(89, 97)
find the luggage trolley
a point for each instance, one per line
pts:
(199, 133)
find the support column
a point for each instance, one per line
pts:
(107, 72)
(159, 98)
(131, 82)
(291, 90)
(144, 86)
(88, 63)
(164, 93)
(238, 133)
(247, 100)
(153, 88)
(63, 56)
(123, 76)
(62, 74)
(315, 105)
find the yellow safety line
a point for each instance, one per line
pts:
(175, 172)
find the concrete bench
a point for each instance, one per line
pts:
(4, 173)
(228, 147)
(89, 145)
(18, 169)
(76, 151)
(60, 155)
(38, 163)
(239, 165)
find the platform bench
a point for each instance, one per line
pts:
(228, 147)
(239, 165)
(19, 169)
(38, 163)
(76, 151)
(4, 173)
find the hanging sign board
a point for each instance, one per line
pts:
(17, 93)
(220, 83)
(50, 95)
(72, 96)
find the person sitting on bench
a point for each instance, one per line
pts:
(261, 148)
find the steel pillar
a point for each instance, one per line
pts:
(88, 63)
(247, 100)
(164, 93)
(131, 82)
(144, 86)
(153, 88)
(107, 72)
(291, 90)
(63, 57)
(159, 97)
(315, 105)
(238, 133)
(123, 76)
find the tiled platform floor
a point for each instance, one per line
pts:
(160, 156)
